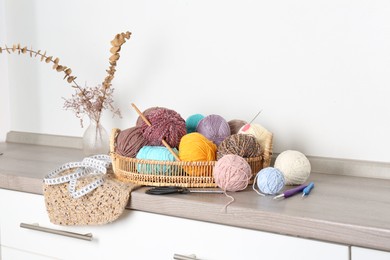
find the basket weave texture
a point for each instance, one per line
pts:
(177, 173)
(103, 205)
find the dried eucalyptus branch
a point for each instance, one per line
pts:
(86, 100)
(116, 43)
(43, 57)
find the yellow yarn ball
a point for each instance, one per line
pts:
(195, 147)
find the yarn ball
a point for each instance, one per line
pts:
(214, 127)
(294, 165)
(140, 121)
(242, 145)
(270, 180)
(196, 147)
(235, 125)
(259, 132)
(192, 122)
(232, 173)
(166, 124)
(130, 141)
(156, 153)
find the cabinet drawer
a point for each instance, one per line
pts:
(150, 236)
(19, 207)
(111, 241)
(12, 253)
(358, 253)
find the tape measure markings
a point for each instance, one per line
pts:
(96, 164)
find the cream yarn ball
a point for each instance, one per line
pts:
(294, 165)
(259, 132)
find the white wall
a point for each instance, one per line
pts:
(4, 96)
(319, 70)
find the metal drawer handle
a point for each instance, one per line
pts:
(57, 232)
(184, 257)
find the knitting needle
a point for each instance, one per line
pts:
(204, 190)
(289, 193)
(247, 126)
(149, 124)
(255, 116)
(306, 191)
(141, 114)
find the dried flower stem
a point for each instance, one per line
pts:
(43, 57)
(116, 43)
(87, 100)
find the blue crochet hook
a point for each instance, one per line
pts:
(306, 191)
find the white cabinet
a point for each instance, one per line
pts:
(17, 254)
(140, 235)
(358, 253)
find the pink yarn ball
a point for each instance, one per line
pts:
(166, 124)
(146, 113)
(232, 173)
(214, 128)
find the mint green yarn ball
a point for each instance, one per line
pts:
(192, 122)
(155, 153)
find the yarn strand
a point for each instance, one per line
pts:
(227, 204)
(254, 184)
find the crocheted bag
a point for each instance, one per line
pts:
(83, 193)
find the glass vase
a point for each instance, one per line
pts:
(95, 139)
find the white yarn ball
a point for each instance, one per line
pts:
(294, 165)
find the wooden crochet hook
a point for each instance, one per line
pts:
(149, 124)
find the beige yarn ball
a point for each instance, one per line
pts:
(259, 132)
(294, 165)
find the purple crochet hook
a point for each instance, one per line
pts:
(289, 193)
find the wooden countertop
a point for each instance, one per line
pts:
(341, 209)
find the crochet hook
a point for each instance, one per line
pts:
(307, 190)
(291, 192)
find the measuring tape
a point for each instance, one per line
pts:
(96, 164)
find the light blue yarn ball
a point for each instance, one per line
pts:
(156, 153)
(270, 180)
(192, 122)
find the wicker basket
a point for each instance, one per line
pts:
(167, 173)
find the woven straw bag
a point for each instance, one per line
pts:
(104, 204)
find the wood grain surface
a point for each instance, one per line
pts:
(341, 209)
